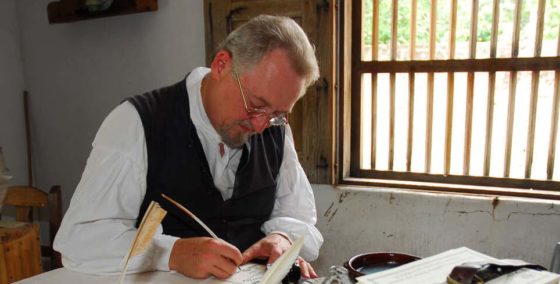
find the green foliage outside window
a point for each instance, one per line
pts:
(484, 29)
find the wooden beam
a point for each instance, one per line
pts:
(462, 65)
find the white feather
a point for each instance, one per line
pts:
(282, 265)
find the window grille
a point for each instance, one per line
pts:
(456, 95)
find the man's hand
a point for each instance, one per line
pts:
(272, 247)
(203, 257)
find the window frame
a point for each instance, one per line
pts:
(348, 116)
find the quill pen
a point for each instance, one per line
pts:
(191, 215)
(283, 264)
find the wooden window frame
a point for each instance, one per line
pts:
(348, 102)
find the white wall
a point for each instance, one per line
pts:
(12, 129)
(77, 72)
(358, 220)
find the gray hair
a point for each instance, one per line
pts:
(252, 41)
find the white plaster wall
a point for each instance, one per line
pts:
(12, 130)
(78, 72)
(357, 220)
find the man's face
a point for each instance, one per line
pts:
(271, 88)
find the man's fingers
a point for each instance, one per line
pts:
(226, 250)
(222, 271)
(306, 269)
(254, 251)
(271, 247)
(248, 255)
(275, 253)
(234, 256)
(226, 265)
(202, 257)
(312, 273)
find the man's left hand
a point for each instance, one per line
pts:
(272, 247)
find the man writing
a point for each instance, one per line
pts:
(218, 143)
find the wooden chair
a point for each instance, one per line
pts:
(20, 251)
(24, 199)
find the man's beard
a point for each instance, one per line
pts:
(240, 138)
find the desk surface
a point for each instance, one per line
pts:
(63, 275)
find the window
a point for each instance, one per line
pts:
(451, 95)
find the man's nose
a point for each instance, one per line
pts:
(260, 123)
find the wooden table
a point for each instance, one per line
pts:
(20, 251)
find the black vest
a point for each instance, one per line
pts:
(177, 167)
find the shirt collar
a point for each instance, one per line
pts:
(198, 114)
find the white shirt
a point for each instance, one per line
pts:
(99, 226)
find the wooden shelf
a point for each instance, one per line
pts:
(65, 11)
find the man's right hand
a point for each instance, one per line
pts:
(203, 257)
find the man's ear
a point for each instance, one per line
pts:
(221, 63)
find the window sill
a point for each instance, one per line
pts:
(453, 189)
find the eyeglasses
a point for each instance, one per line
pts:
(274, 120)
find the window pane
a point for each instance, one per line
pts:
(366, 121)
(520, 125)
(478, 138)
(551, 28)
(438, 122)
(505, 28)
(501, 94)
(385, 12)
(442, 30)
(401, 121)
(419, 131)
(484, 28)
(423, 30)
(367, 20)
(459, 112)
(528, 28)
(463, 33)
(382, 135)
(556, 173)
(542, 125)
(403, 30)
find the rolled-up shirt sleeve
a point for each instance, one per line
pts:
(294, 210)
(99, 226)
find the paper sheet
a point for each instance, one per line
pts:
(256, 273)
(435, 269)
(250, 273)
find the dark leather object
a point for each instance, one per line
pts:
(481, 272)
(293, 276)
